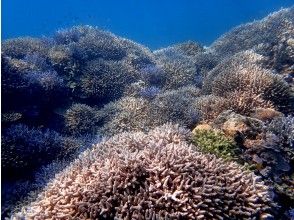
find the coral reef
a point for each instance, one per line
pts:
(176, 106)
(248, 84)
(283, 127)
(210, 106)
(214, 142)
(80, 119)
(19, 48)
(141, 114)
(265, 147)
(62, 93)
(126, 114)
(104, 79)
(268, 31)
(179, 68)
(25, 149)
(147, 179)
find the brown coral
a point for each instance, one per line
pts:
(211, 106)
(151, 176)
(248, 84)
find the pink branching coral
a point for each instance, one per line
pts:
(151, 176)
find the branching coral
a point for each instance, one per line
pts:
(62, 59)
(180, 69)
(269, 30)
(189, 48)
(244, 101)
(37, 61)
(20, 47)
(49, 81)
(141, 114)
(10, 117)
(176, 106)
(153, 75)
(149, 92)
(156, 175)
(210, 106)
(143, 178)
(137, 55)
(126, 114)
(25, 87)
(89, 43)
(96, 64)
(80, 119)
(25, 149)
(243, 76)
(105, 79)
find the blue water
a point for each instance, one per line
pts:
(155, 23)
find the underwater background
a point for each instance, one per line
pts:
(147, 110)
(152, 23)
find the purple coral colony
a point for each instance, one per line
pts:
(96, 126)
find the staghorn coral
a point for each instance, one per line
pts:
(189, 48)
(105, 79)
(37, 61)
(176, 106)
(12, 193)
(269, 30)
(94, 43)
(186, 49)
(25, 149)
(10, 117)
(153, 75)
(88, 43)
(19, 48)
(180, 70)
(232, 64)
(137, 55)
(31, 88)
(134, 89)
(72, 35)
(135, 113)
(17, 193)
(149, 92)
(280, 56)
(48, 81)
(151, 176)
(244, 101)
(140, 89)
(12, 80)
(240, 72)
(243, 73)
(124, 115)
(96, 64)
(62, 59)
(80, 119)
(210, 106)
(190, 54)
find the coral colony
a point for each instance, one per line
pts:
(95, 126)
